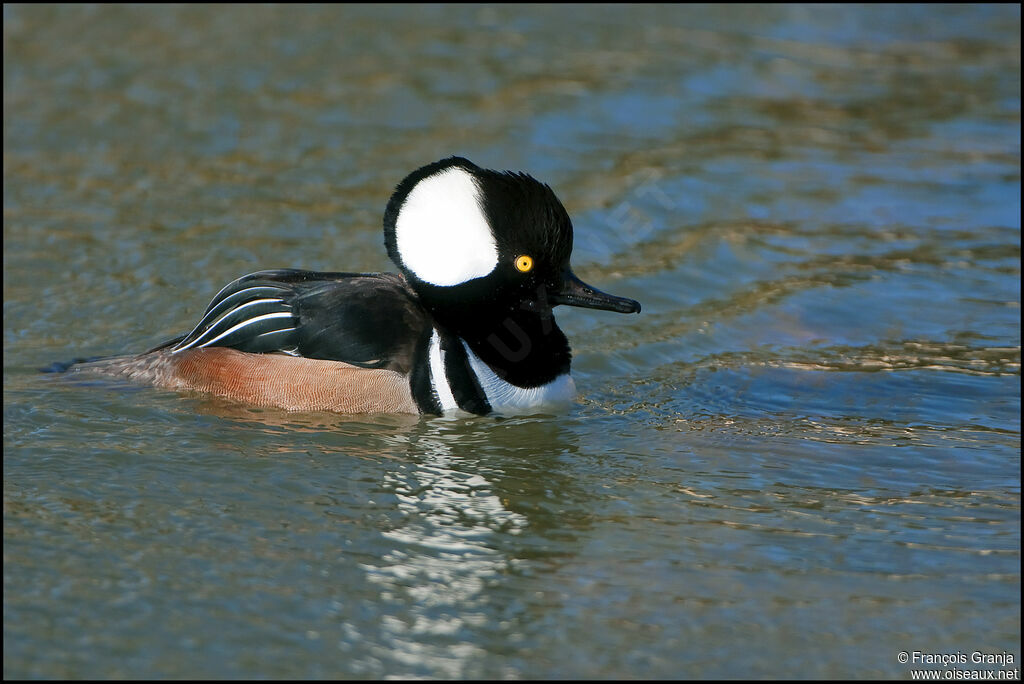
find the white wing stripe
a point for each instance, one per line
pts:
(213, 326)
(228, 303)
(257, 319)
(216, 306)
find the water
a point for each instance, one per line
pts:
(802, 458)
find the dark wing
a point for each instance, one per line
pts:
(370, 320)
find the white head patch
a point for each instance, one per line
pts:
(442, 234)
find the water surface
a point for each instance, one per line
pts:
(802, 458)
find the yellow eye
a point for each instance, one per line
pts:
(524, 264)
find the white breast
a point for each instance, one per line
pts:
(504, 398)
(507, 398)
(438, 376)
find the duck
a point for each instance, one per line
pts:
(466, 325)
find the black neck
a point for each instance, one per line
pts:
(524, 348)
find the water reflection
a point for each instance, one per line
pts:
(453, 546)
(321, 422)
(449, 511)
(808, 444)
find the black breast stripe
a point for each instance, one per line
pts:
(466, 389)
(419, 377)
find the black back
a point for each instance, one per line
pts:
(370, 320)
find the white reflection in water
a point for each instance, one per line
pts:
(443, 557)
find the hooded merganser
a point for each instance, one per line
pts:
(467, 324)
